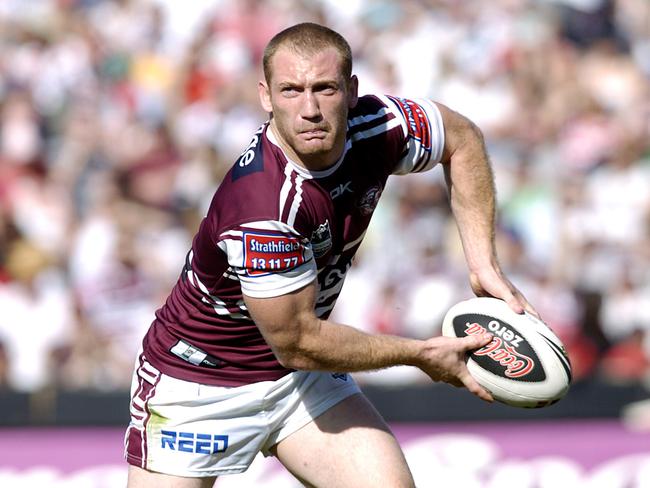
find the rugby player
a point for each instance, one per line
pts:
(242, 358)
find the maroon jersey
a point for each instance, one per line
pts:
(274, 227)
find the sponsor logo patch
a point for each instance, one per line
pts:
(194, 443)
(321, 240)
(271, 253)
(194, 355)
(341, 190)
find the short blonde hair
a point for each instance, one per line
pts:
(308, 38)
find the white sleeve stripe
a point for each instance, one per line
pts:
(377, 130)
(297, 200)
(395, 110)
(281, 286)
(421, 165)
(284, 192)
(225, 242)
(362, 119)
(274, 225)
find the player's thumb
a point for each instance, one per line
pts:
(476, 341)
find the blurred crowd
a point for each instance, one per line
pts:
(119, 118)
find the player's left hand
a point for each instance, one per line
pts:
(445, 359)
(491, 282)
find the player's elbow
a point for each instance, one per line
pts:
(292, 357)
(461, 133)
(299, 349)
(467, 136)
(294, 360)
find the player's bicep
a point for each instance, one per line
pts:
(283, 320)
(458, 130)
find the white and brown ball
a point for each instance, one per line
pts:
(525, 365)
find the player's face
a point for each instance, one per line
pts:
(309, 98)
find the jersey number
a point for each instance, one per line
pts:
(274, 264)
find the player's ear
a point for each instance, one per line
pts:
(265, 96)
(353, 91)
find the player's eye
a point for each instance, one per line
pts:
(326, 90)
(289, 91)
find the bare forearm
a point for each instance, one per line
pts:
(472, 195)
(339, 348)
(300, 340)
(330, 346)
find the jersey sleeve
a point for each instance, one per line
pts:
(423, 130)
(269, 257)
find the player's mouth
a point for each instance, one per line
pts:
(314, 133)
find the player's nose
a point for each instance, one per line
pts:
(309, 108)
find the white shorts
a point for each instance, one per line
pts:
(188, 429)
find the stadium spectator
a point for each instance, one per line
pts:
(129, 102)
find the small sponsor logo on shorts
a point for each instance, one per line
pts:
(193, 442)
(340, 376)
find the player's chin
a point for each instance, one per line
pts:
(315, 147)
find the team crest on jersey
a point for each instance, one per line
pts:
(369, 200)
(266, 253)
(321, 240)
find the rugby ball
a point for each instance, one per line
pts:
(525, 364)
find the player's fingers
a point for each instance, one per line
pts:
(472, 385)
(498, 287)
(516, 302)
(528, 307)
